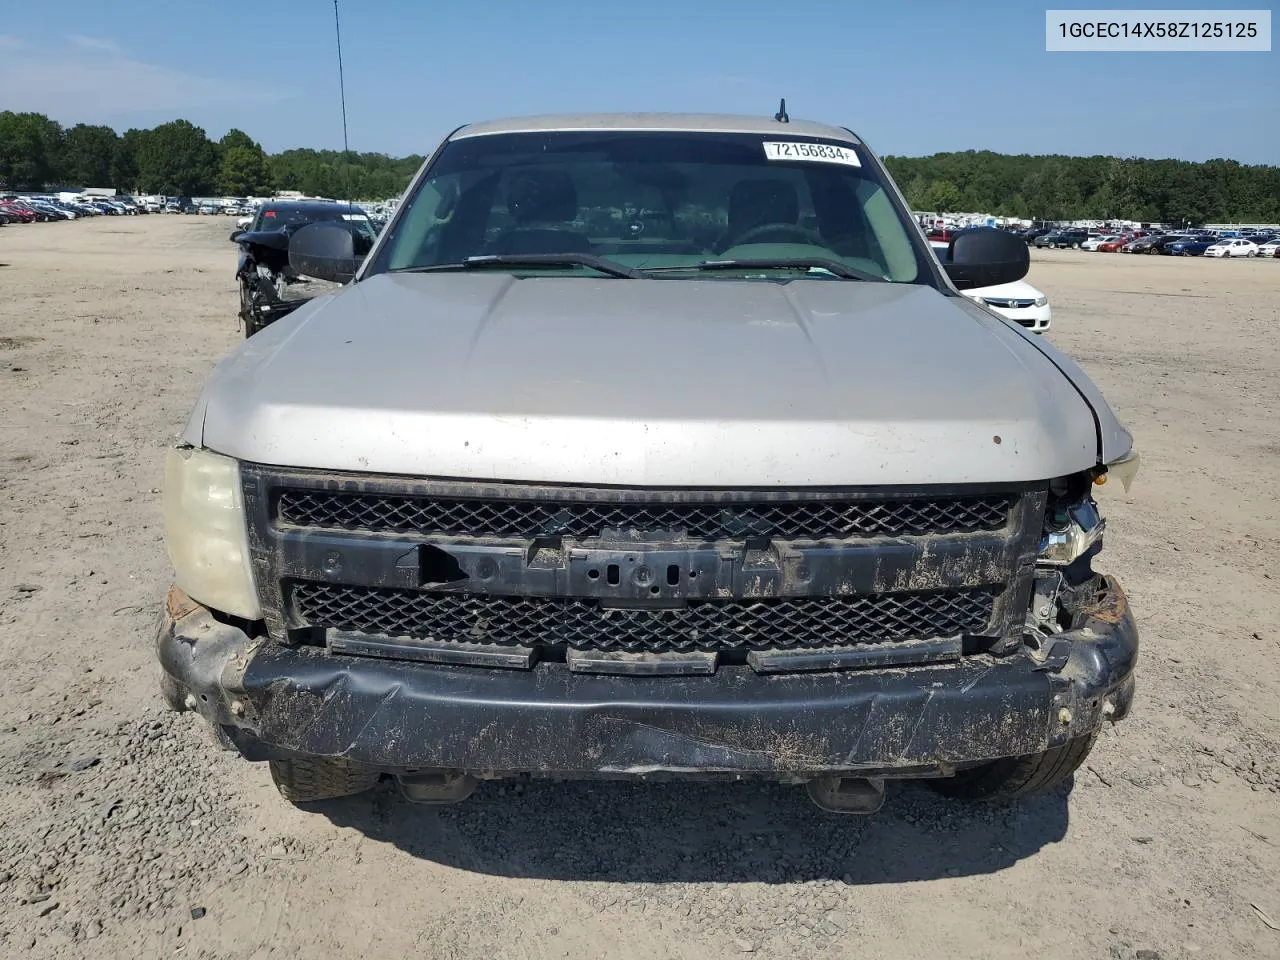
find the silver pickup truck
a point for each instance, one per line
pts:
(649, 445)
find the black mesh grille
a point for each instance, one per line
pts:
(808, 519)
(775, 623)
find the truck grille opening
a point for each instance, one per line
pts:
(713, 625)
(805, 519)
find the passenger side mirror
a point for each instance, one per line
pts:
(986, 257)
(235, 235)
(325, 251)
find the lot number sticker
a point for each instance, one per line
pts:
(813, 152)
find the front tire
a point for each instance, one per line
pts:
(247, 313)
(1014, 777)
(310, 779)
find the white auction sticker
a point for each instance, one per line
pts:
(813, 152)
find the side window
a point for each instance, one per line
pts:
(419, 233)
(891, 239)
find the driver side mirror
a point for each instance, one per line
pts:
(326, 251)
(235, 235)
(986, 257)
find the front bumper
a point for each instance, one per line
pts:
(276, 701)
(1035, 319)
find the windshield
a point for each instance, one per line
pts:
(278, 218)
(655, 201)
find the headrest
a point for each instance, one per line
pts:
(753, 203)
(542, 196)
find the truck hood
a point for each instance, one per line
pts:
(705, 382)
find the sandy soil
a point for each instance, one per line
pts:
(125, 831)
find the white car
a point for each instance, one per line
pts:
(1269, 249)
(1019, 301)
(1233, 247)
(1094, 242)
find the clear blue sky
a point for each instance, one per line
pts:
(911, 77)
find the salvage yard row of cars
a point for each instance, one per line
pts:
(15, 209)
(1261, 243)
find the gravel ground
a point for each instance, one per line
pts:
(126, 831)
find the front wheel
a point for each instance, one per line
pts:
(248, 315)
(1014, 777)
(310, 779)
(1075, 246)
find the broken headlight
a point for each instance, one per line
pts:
(204, 531)
(1069, 531)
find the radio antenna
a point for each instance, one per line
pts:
(342, 94)
(780, 116)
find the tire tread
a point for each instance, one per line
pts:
(1014, 777)
(309, 779)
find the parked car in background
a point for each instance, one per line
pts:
(269, 288)
(1192, 247)
(72, 212)
(1046, 239)
(1269, 249)
(1071, 238)
(1162, 244)
(16, 212)
(1233, 247)
(1096, 241)
(1144, 244)
(1030, 234)
(1111, 246)
(1019, 301)
(47, 210)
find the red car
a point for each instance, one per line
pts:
(15, 212)
(1112, 246)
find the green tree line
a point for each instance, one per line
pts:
(179, 159)
(1093, 188)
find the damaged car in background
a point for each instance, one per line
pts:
(269, 287)
(649, 445)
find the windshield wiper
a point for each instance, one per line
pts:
(607, 267)
(833, 267)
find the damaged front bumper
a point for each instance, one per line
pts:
(276, 701)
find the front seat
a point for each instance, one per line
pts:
(755, 203)
(543, 204)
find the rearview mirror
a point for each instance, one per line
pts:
(986, 257)
(325, 251)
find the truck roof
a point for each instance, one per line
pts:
(666, 122)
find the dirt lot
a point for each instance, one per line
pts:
(124, 831)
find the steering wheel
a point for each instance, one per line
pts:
(792, 233)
